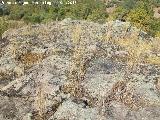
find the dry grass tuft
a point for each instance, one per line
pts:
(40, 101)
(154, 60)
(138, 52)
(77, 66)
(14, 24)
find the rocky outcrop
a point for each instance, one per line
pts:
(69, 70)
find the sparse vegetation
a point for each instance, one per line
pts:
(140, 14)
(3, 26)
(93, 66)
(6, 24)
(137, 51)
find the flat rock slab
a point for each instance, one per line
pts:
(100, 85)
(72, 111)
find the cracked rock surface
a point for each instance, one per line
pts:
(65, 71)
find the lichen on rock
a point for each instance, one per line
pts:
(78, 70)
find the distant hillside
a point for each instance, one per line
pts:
(141, 13)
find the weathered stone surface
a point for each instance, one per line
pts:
(72, 111)
(68, 70)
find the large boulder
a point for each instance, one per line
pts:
(68, 70)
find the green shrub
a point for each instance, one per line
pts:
(98, 15)
(139, 13)
(140, 18)
(16, 12)
(155, 27)
(3, 26)
(84, 9)
(33, 18)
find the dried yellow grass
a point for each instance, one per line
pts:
(155, 60)
(77, 69)
(40, 102)
(76, 34)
